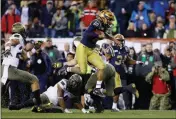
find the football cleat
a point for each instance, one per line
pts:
(99, 92)
(115, 110)
(14, 107)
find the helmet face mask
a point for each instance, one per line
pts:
(74, 82)
(122, 43)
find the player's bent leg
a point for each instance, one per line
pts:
(95, 59)
(81, 57)
(23, 76)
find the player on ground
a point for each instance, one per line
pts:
(13, 53)
(53, 98)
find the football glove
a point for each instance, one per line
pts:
(7, 53)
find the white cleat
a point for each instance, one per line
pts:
(115, 110)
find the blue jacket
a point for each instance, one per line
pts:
(46, 60)
(144, 14)
(159, 7)
(47, 16)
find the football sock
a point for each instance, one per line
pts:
(37, 97)
(114, 105)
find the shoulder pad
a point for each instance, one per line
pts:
(63, 84)
(97, 24)
(110, 51)
(126, 49)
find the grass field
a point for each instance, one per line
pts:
(26, 113)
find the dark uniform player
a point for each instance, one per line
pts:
(118, 57)
(111, 74)
(85, 53)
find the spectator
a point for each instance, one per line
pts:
(131, 30)
(159, 7)
(70, 56)
(52, 51)
(161, 90)
(41, 66)
(36, 31)
(89, 13)
(172, 20)
(173, 66)
(144, 32)
(66, 49)
(159, 30)
(172, 44)
(13, 6)
(131, 68)
(166, 59)
(24, 13)
(73, 15)
(143, 50)
(29, 48)
(48, 12)
(148, 58)
(140, 16)
(59, 24)
(8, 20)
(153, 17)
(34, 10)
(171, 10)
(171, 32)
(6, 6)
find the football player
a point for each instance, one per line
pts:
(13, 53)
(117, 55)
(53, 98)
(85, 53)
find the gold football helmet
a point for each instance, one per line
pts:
(121, 40)
(19, 28)
(106, 16)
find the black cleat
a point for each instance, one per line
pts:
(14, 107)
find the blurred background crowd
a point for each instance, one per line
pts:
(70, 18)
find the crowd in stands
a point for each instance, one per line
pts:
(68, 18)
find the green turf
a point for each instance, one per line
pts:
(26, 113)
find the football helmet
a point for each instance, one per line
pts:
(106, 17)
(121, 40)
(74, 82)
(20, 29)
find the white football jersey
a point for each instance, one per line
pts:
(53, 94)
(13, 59)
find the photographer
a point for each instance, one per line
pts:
(161, 90)
(41, 66)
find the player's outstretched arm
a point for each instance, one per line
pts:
(71, 63)
(61, 100)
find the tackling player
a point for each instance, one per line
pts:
(117, 55)
(13, 53)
